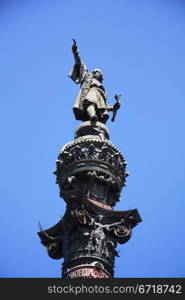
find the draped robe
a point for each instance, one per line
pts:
(91, 91)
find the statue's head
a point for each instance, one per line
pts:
(98, 74)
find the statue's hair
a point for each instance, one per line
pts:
(98, 70)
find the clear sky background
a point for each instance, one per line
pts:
(140, 46)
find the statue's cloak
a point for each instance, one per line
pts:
(91, 91)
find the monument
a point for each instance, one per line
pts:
(91, 173)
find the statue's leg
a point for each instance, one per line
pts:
(91, 110)
(104, 116)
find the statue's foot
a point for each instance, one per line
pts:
(104, 118)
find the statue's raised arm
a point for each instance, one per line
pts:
(75, 51)
(79, 70)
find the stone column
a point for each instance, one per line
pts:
(91, 173)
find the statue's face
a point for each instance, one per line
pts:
(97, 74)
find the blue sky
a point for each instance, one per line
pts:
(140, 46)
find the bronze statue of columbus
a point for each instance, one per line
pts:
(91, 100)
